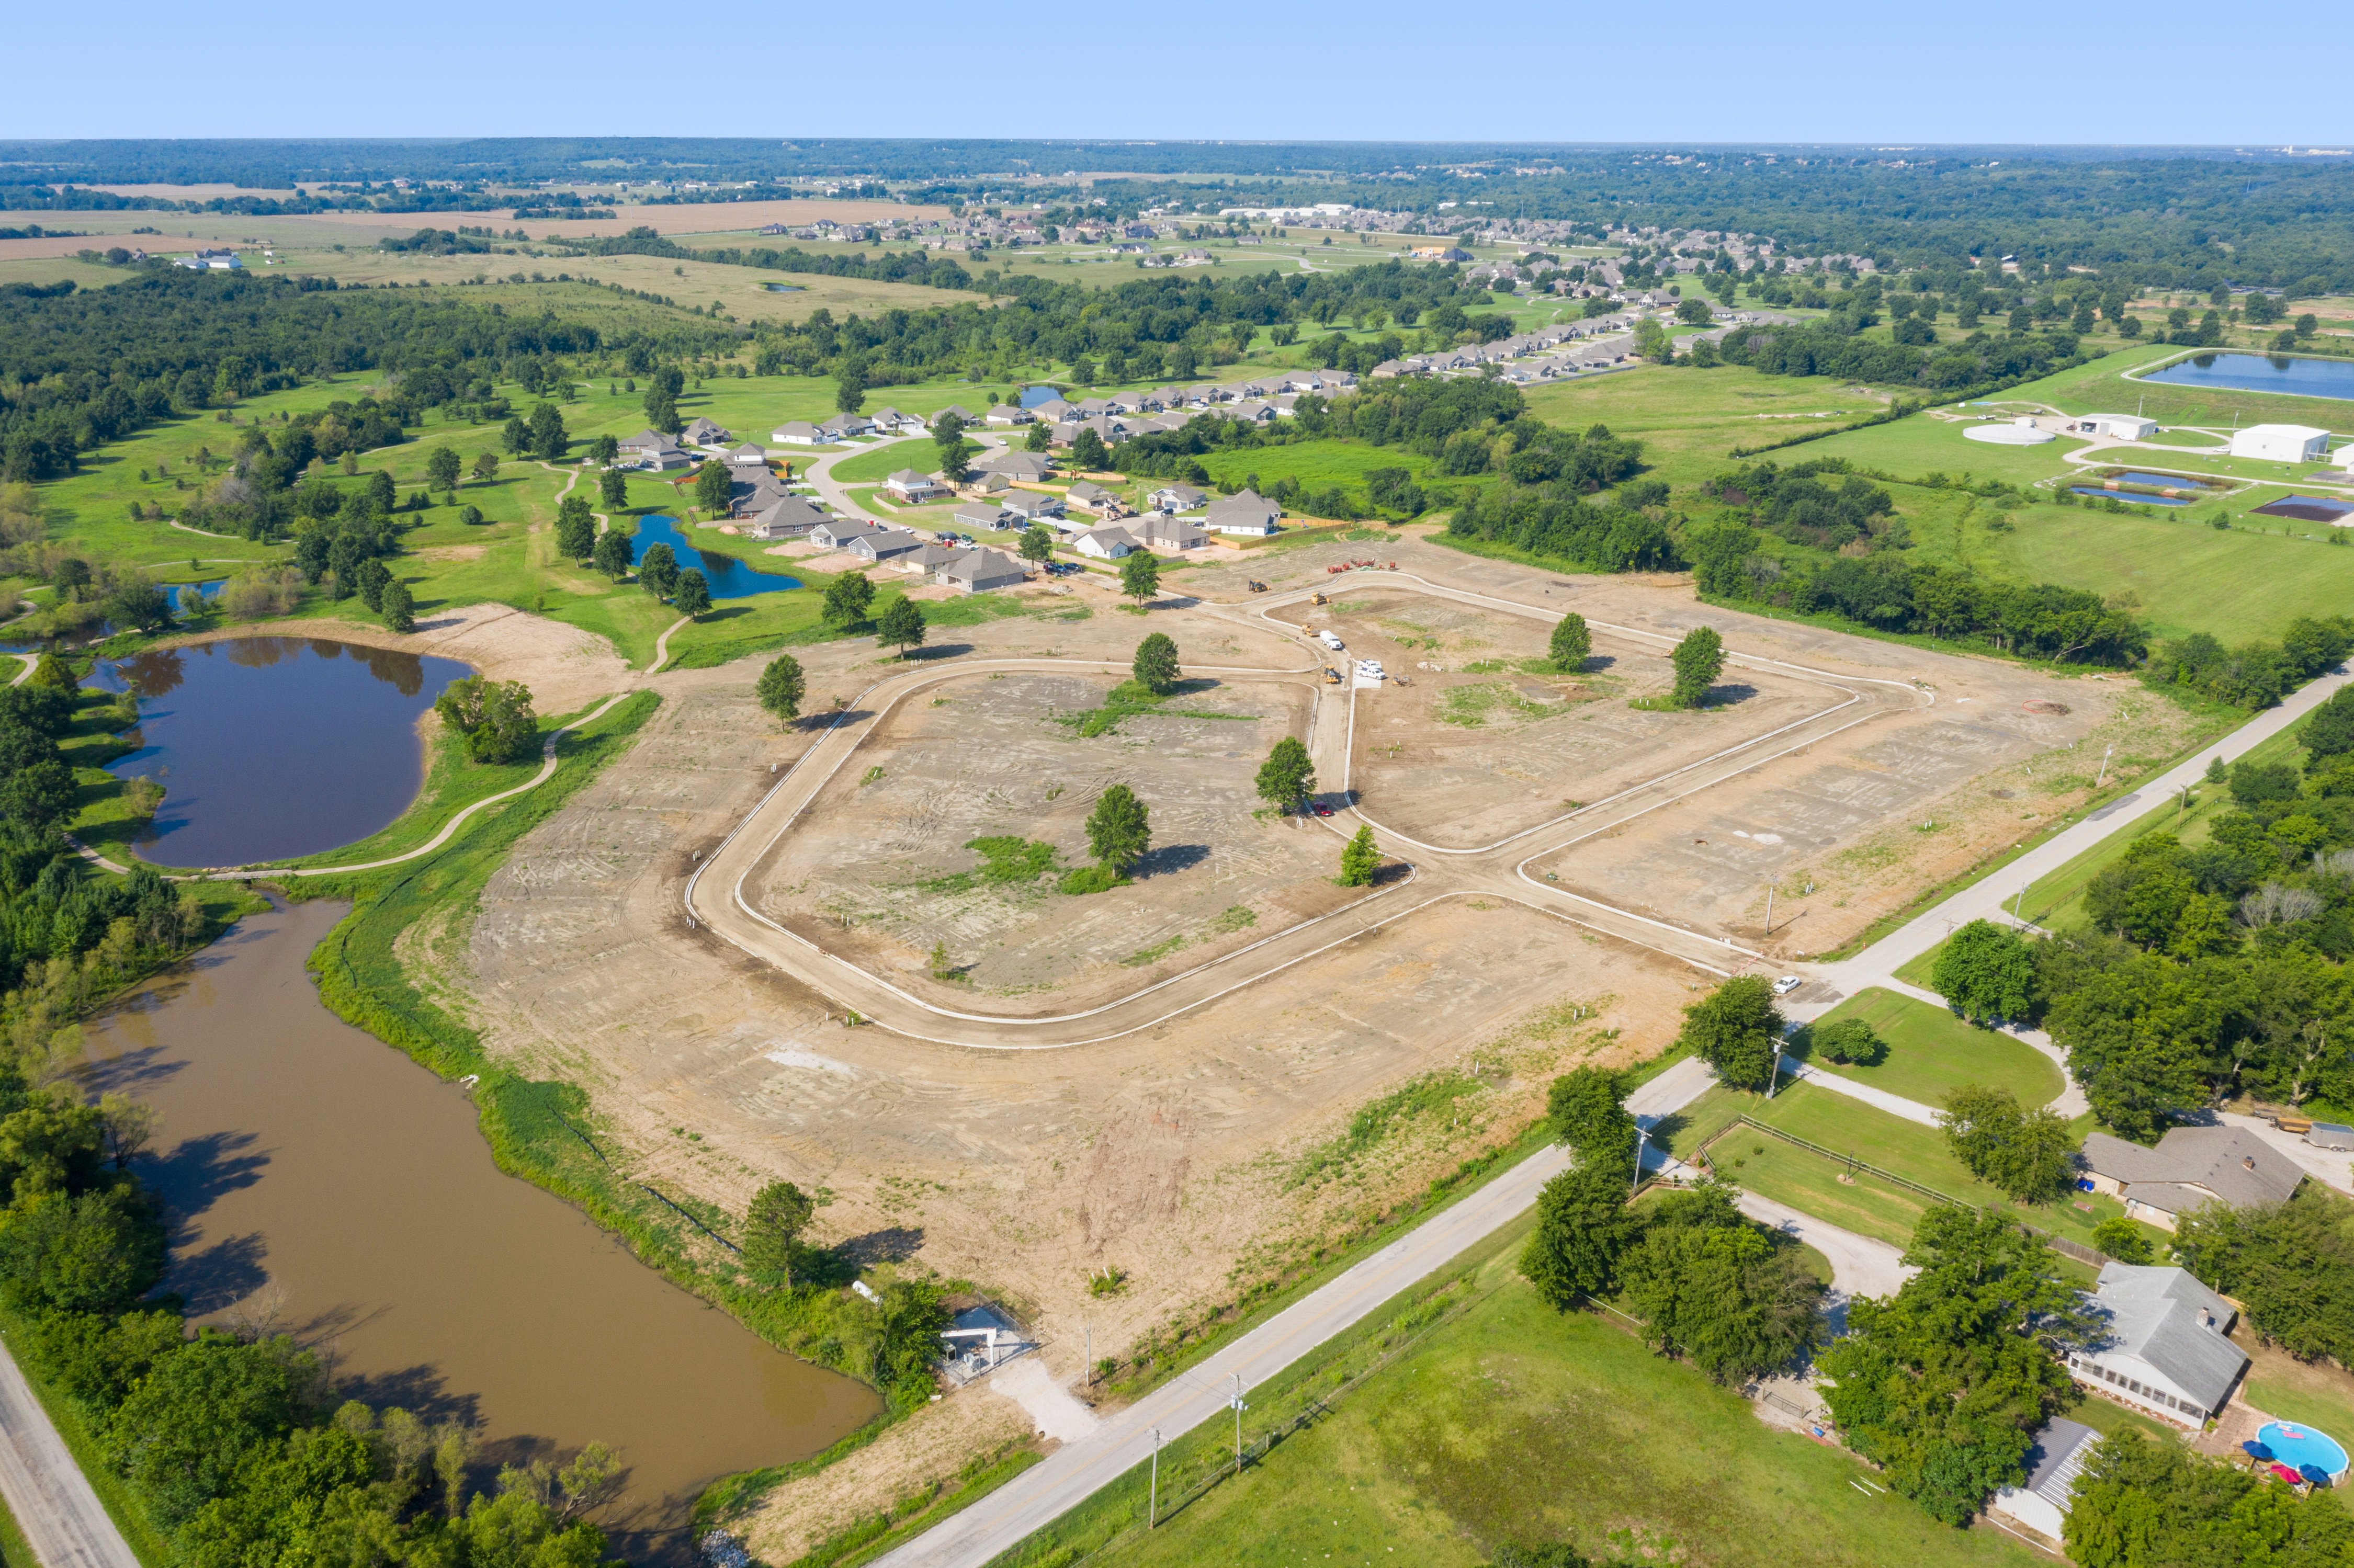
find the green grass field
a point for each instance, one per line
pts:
(1690, 420)
(1931, 1051)
(1315, 464)
(1512, 1423)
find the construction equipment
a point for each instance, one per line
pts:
(1315, 599)
(1332, 676)
(1258, 587)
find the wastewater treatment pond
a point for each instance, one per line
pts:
(273, 746)
(2261, 373)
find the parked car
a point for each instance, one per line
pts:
(1320, 808)
(1786, 985)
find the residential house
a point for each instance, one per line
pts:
(1106, 544)
(1028, 506)
(753, 491)
(750, 455)
(211, 261)
(906, 485)
(1246, 512)
(702, 432)
(962, 413)
(1007, 414)
(644, 441)
(1161, 532)
(929, 559)
(980, 515)
(2190, 1165)
(893, 422)
(790, 517)
(839, 532)
(1023, 468)
(1095, 498)
(884, 546)
(978, 571)
(841, 427)
(2056, 1457)
(1056, 411)
(989, 481)
(1174, 498)
(797, 433)
(2165, 1343)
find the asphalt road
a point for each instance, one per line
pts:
(61, 1517)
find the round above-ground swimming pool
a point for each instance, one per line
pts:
(2298, 1446)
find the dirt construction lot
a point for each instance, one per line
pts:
(1214, 1147)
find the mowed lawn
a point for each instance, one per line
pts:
(1315, 464)
(1931, 1051)
(1689, 421)
(1516, 1424)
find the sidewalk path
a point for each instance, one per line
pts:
(61, 1517)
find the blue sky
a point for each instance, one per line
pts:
(1266, 71)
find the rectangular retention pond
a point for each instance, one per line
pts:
(2262, 373)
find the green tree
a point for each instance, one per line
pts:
(1987, 972)
(603, 449)
(846, 601)
(782, 687)
(192, 1423)
(1119, 828)
(1716, 1290)
(1156, 664)
(400, 608)
(548, 436)
(515, 436)
(2027, 1153)
(2292, 1264)
(1088, 454)
(95, 1252)
(576, 528)
(1941, 1383)
(1037, 543)
(1573, 644)
(1039, 439)
(1287, 776)
(612, 555)
(494, 716)
(1699, 659)
(773, 1225)
(661, 409)
(850, 385)
(658, 571)
(1737, 1030)
(1848, 1040)
(1583, 1229)
(901, 626)
(713, 486)
(373, 575)
(441, 468)
(487, 467)
(2139, 1502)
(1140, 574)
(614, 488)
(953, 449)
(2329, 732)
(1586, 1108)
(1359, 858)
(2120, 1238)
(692, 596)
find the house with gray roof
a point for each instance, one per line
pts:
(788, 517)
(751, 454)
(978, 571)
(797, 433)
(1095, 498)
(753, 491)
(1246, 512)
(979, 514)
(1008, 414)
(702, 432)
(960, 410)
(906, 485)
(1106, 544)
(1023, 467)
(2054, 1458)
(840, 532)
(841, 427)
(1161, 532)
(884, 546)
(644, 441)
(1032, 505)
(895, 420)
(2190, 1165)
(1176, 498)
(2163, 1346)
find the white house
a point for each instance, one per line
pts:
(893, 420)
(2119, 427)
(1106, 544)
(2054, 1461)
(906, 485)
(797, 433)
(2190, 1165)
(751, 454)
(2164, 1346)
(1246, 512)
(2280, 443)
(1176, 498)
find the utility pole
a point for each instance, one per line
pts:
(2104, 778)
(1641, 1134)
(1769, 908)
(1089, 1332)
(1152, 1503)
(1239, 1407)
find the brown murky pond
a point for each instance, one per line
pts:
(319, 1179)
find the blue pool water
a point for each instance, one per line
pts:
(728, 577)
(2262, 373)
(2172, 480)
(2297, 1445)
(2132, 495)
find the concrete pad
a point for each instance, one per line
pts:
(1051, 1407)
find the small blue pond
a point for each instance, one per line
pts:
(1031, 397)
(182, 604)
(2170, 481)
(2134, 496)
(728, 577)
(2262, 373)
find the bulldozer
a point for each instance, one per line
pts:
(1258, 587)
(1315, 599)
(1332, 676)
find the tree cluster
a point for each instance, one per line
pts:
(2138, 1501)
(493, 716)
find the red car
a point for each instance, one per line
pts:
(1320, 808)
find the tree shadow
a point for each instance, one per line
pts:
(1597, 662)
(214, 1278)
(720, 612)
(1396, 871)
(1168, 859)
(1727, 696)
(140, 1067)
(195, 1171)
(936, 652)
(1194, 685)
(420, 1390)
(894, 1243)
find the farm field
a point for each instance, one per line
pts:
(1931, 1051)
(1625, 1455)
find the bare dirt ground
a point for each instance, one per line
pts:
(565, 667)
(878, 869)
(1232, 1141)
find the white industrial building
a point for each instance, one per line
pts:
(2280, 443)
(2118, 427)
